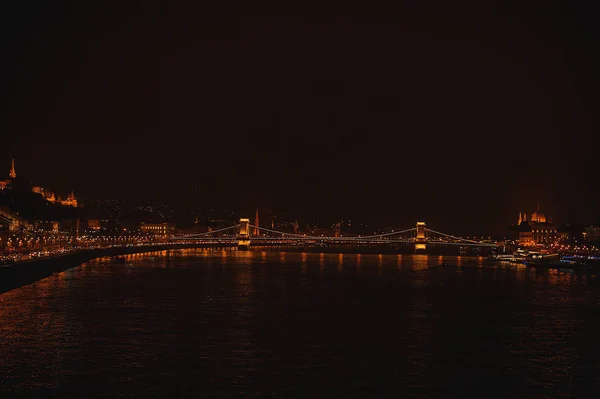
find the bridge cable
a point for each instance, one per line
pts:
(456, 238)
(357, 238)
(207, 233)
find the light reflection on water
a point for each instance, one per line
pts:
(217, 323)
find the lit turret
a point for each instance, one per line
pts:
(538, 216)
(70, 201)
(13, 172)
(73, 199)
(256, 224)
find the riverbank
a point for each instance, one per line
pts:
(26, 272)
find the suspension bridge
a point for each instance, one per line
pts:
(245, 234)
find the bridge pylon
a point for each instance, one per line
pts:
(244, 234)
(420, 240)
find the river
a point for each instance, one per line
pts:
(205, 323)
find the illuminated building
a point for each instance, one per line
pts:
(591, 234)
(537, 229)
(93, 224)
(11, 176)
(50, 197)
(46, 194)
(158, 229)
(70, 201)
(12, 220)
(47, 225)
(13, 173)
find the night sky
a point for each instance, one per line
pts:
(458, 113)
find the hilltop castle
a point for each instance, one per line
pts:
(49, 196)
(4, 184)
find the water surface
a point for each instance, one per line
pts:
(206, 323)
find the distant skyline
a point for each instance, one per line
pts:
(184, 208)
(461, 114)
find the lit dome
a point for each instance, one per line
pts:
(538, 216)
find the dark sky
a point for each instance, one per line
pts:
(458, 113)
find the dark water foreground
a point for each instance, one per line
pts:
(198, 323)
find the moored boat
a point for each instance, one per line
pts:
(566, 262)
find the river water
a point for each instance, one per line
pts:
(208, 323)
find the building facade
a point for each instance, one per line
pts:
(591, 234)
(157, 229)
(535, 229)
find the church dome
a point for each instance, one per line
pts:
(538, 216)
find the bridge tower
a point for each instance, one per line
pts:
(244, 234)
(420, 240)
